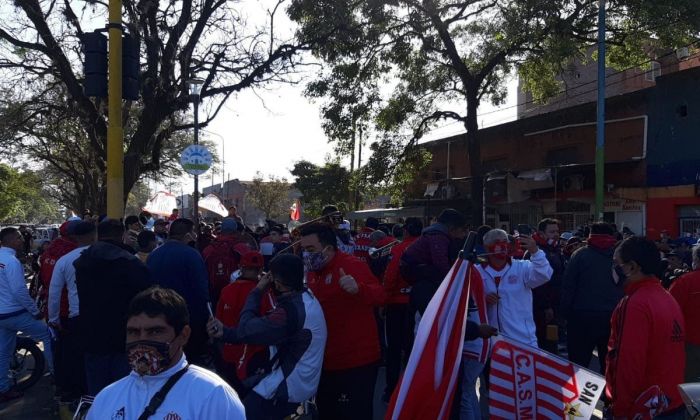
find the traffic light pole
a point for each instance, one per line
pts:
(600, 126)
(115, 133)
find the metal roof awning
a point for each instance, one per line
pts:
(386, 213)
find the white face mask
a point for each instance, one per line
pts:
(235, 275)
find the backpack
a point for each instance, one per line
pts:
(221, 260)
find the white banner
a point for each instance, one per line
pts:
(212, 203)
(161, 204)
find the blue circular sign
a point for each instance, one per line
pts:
(196, 159)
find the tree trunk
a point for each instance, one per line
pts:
(474, 156)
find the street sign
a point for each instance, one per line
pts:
(196, 159)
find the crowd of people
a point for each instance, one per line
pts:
(300, 322)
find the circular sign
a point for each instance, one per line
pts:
(196, 159)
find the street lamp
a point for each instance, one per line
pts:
(195, 86)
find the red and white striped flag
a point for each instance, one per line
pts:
(295, 211)
(427, 387)
(528, 383)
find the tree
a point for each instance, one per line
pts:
(271, 196)
(40, 58)
(23, 199)
(321, 185)
(447, 56)
(138, 197)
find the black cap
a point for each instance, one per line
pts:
(84, 228)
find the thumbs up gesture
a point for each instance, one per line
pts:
(348, 283)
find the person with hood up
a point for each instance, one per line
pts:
(589, 294)
(221, 258)
(427, 261)
(57, 249)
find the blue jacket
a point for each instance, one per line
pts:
(180, 267)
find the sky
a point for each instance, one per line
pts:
(268, 130)
(272, 130)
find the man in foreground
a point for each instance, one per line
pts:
(646, 353)
(157, 329)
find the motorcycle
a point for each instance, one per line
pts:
(27, 364)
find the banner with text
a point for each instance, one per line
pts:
(528, 383)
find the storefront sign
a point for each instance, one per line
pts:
(622, 205)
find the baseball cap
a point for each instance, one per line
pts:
(68, 227)
(229, 225)
(252, 259)
(84, 228)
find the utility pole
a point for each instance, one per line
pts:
(359, 165)
(600, 126)
(115, 133)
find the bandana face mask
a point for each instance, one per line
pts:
(314, 261)
(148, 358)
(499, 249)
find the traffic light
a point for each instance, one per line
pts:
(130, 68)
(95, 65)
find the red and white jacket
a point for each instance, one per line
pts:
(353, 340)
(512, 315)
(646, 350)
(396, 287)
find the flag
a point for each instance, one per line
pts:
(212, 203)
(427, 386)
(529, 383)
(161, 204)
(295, 211)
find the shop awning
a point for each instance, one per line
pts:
(431, 189)
(386, 213)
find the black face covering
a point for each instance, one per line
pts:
(619, 276)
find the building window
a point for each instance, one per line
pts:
(653, 72)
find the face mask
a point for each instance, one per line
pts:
(498, 249)
(314, 261)
(235, 275)
(148, 357)
(618, 274)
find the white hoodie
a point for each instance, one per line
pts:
(512, 315)
(199, 394)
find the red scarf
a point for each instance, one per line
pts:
(602, 242)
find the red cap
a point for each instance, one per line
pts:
(252, 259)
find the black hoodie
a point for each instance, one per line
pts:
(108, 277)
(588, 284)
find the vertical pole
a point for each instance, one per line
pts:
(353, 193)
(600, 127)
(115, 133)
(359, 165)
(448, 159)
(195, 200)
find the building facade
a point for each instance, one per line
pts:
(543, 166)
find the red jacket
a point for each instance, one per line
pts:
(363, 243)
(57, 248)
(228, 311)
(686, 290)
(396, 287)
(353, 340)
(646, 348)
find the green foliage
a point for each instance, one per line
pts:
(321, 185)
(271, 196)
(138, 196)
(409, 64)
(22, 198)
